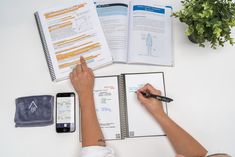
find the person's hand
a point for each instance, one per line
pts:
(82, 78)
(153, 105)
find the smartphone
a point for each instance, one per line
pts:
(65, 112)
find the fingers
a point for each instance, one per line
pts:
(149, 88)
(91, 72)
(141, 98)
(74, 72)
(152, 90)
(83, 64)
(78, 68)
(73, 75)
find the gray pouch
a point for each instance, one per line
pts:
(34, 111)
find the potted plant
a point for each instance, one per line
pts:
(208, 20)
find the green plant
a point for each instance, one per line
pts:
(208, 20)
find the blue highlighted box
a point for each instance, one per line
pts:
(149, 8)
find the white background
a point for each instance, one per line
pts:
(202, 85)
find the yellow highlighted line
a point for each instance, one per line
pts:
(77, 52)
(73, 47)
(58, 26)
(71, 40)
(63, 11)
(76, 62)
(67, 18)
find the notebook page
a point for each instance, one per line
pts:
(150, 39)
(114, 18)
(106, 96)
(140, 122)
(71, 30)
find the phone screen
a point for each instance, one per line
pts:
(65, 112)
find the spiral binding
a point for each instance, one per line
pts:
(123, 108)
(44, 44)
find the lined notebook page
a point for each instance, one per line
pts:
(107, 106)
(140, 122)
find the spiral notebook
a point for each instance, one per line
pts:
(119, 113)
(68, 31)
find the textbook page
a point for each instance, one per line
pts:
(114, 18)
(150, 39)
(106, 94)
(73, 30)
(140, 121)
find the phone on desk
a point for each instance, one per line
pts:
(65, 112)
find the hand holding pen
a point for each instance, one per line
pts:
(158, 97)
(154, 106)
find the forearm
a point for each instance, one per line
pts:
(182, 142)
(91, 131)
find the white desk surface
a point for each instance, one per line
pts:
(202, 84)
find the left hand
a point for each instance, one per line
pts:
(82, 78)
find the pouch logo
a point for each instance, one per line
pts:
(33, 107)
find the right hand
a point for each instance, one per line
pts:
(154, 106)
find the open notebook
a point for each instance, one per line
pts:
(137, 31)
(119, 113)
(68, 31)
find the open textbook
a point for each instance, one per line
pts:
(69, 31)
(119, 113)
(137, 31)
